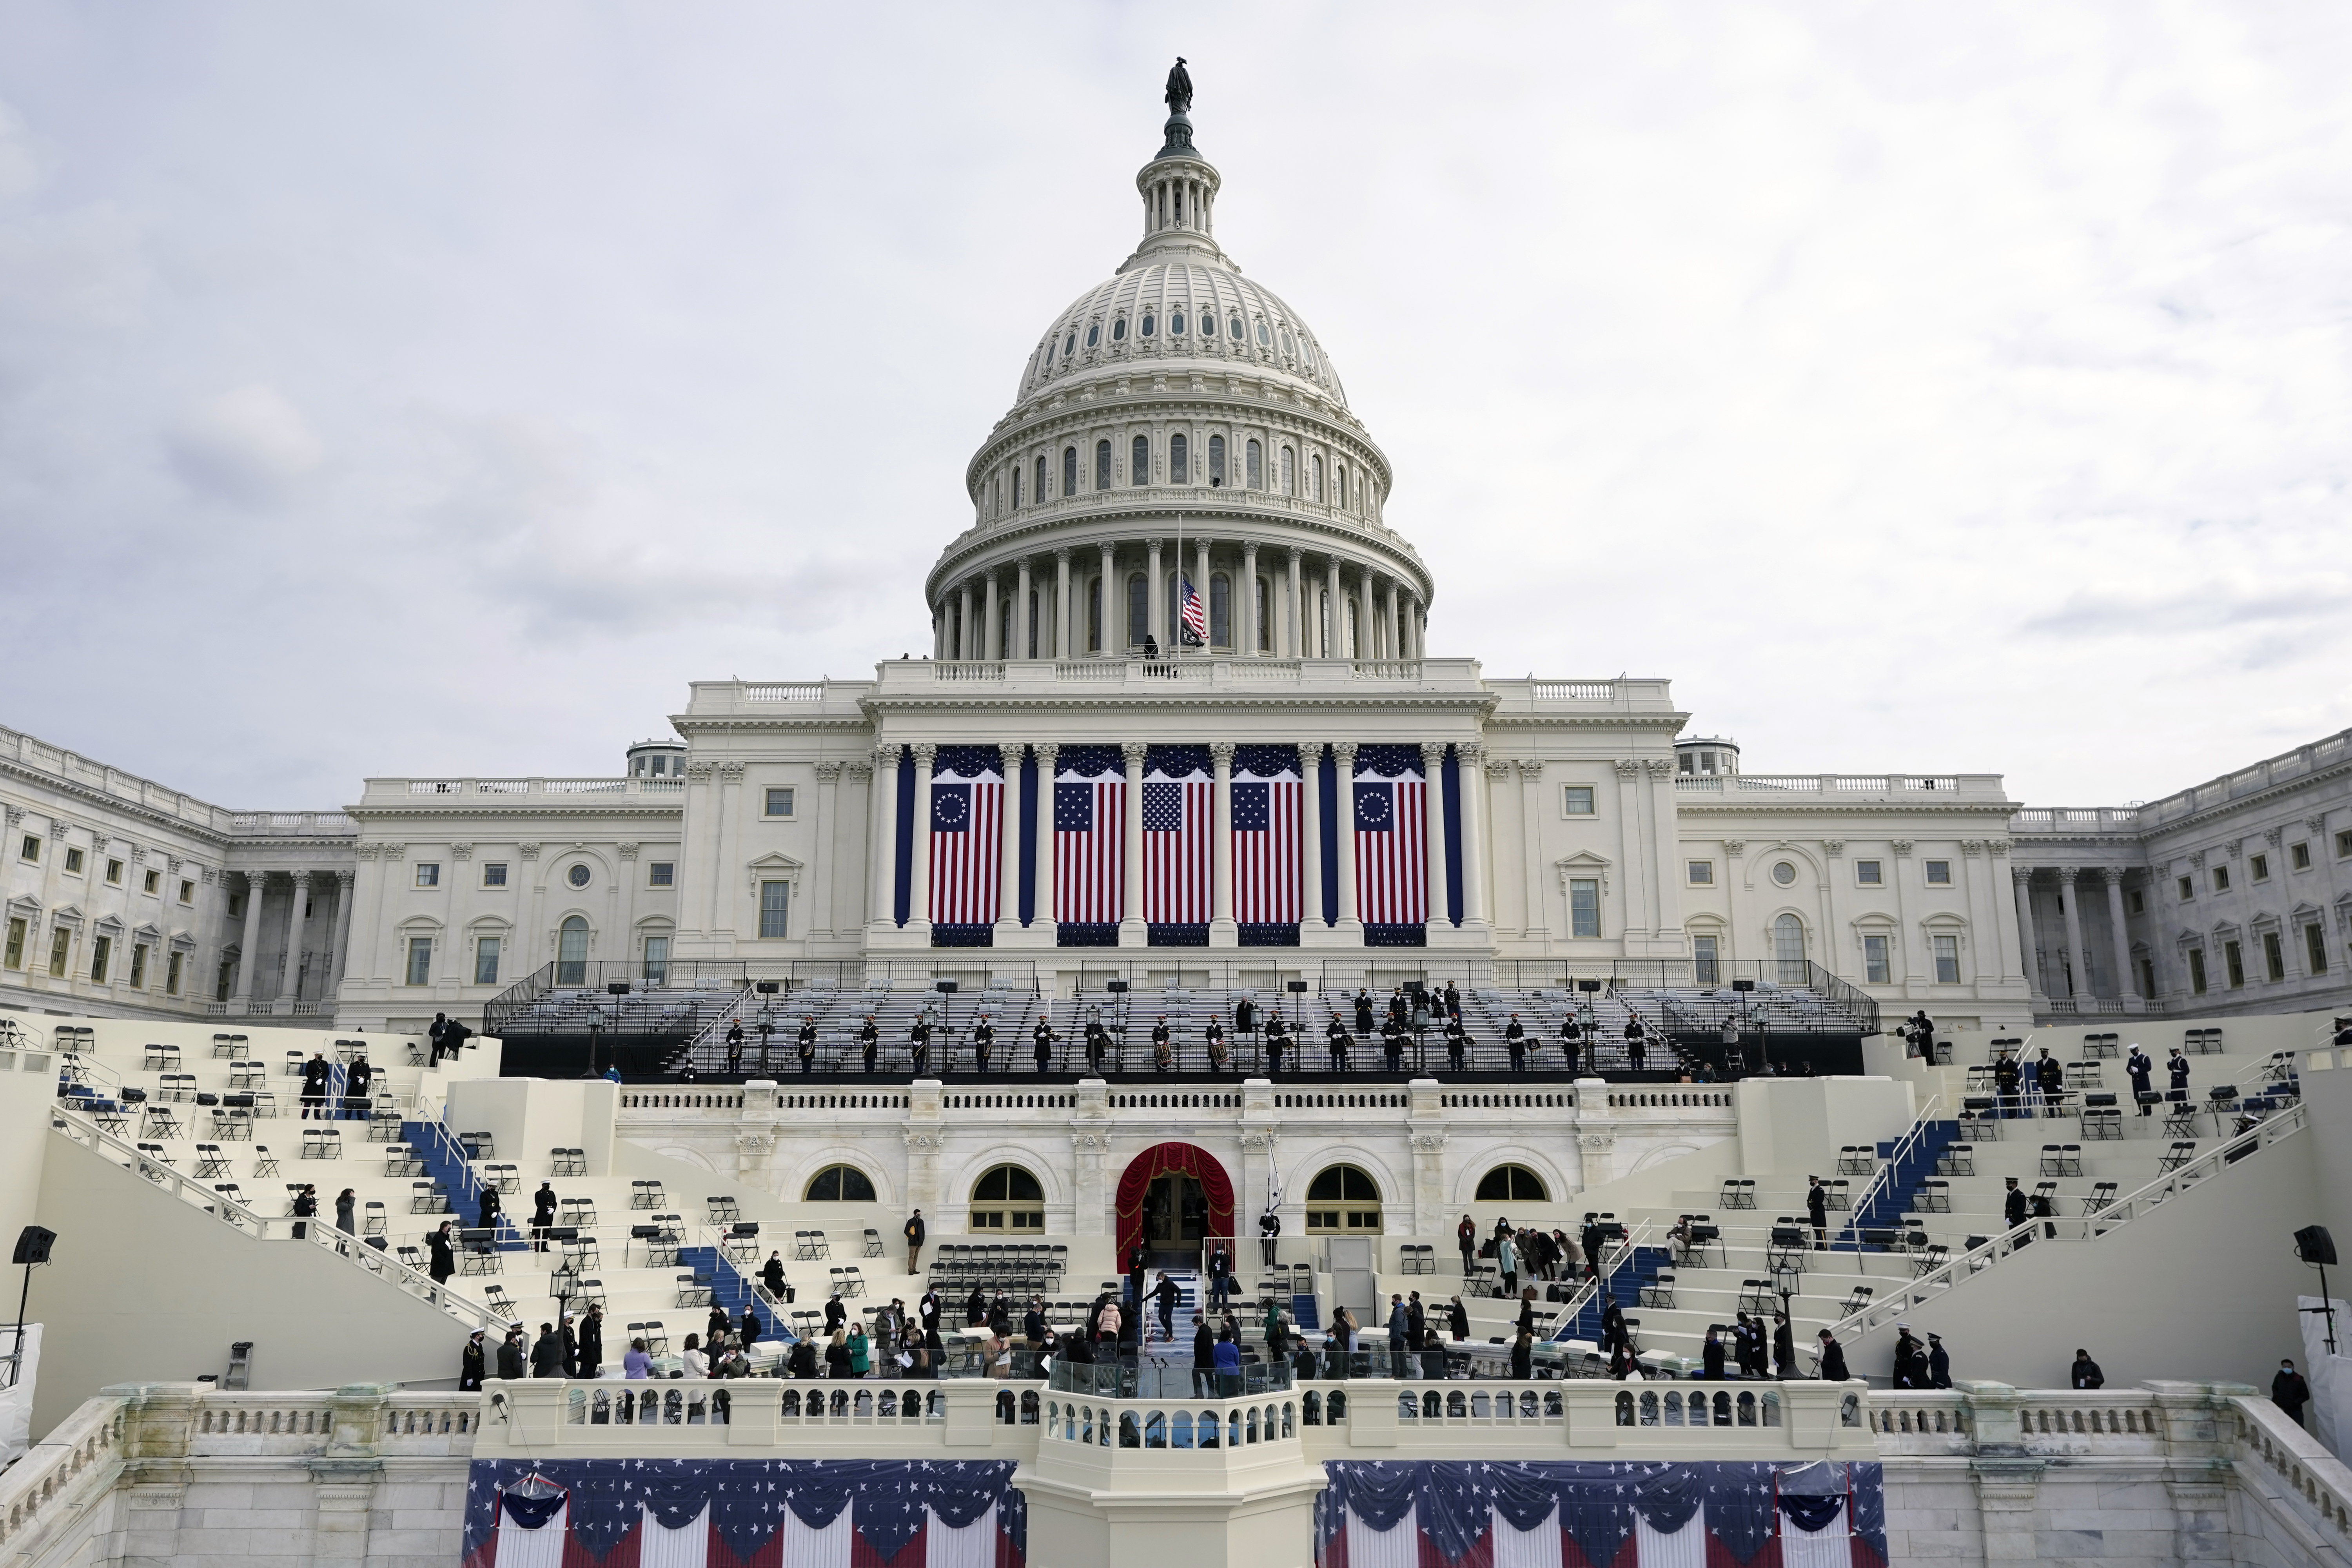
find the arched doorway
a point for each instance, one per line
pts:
(1172, 1197)
(1788, 950)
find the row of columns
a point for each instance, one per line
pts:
(2078, 975)
(290, 970)
(1223, 927)
(1391, 617)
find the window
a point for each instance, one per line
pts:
(1254, 467)
(1788, 950)
(1180, 470)
(1939, 873)
(73, 862)
(1093, 333)
(101, 957)
(840, 1184)
(2233, 960)
(420, 961)
(578, 876)
(1264, 337)
(2134, 901)
(1512, 1185)
(2197, 970)
(115, 872)
(1875, 970)
(1577, 800)
(1948, 959)
(1017, 487)
(1584, 906)
(571, 952)
(1785, 874)
(2220, 879)
(1234, 328)
(2315, 948)
(2260, 866)
(1221, 610)
(235, 905)
(2148, 977)
(1315, 474)
(1702, 873)
(138, 966)
(1289, 474)
(30, 849)
(1139, 462)
(12, 955)
(1705, 967)
(173, 969)
(1216, 460)
(494, 873)
(1139, 616)
(1176, 317)
(428, 874)
(1343, 1198)
(1069, 470)
(2187, 889)
(1869, 873)
(2298, 856)
(60, 952)
(1118, 330)
(1037, 493)
(1151, 323)
(774, 906)
(1008, 1198)
(661, 874)
(780, 803)
(187, 891)
(1102, 464)
(1093, 614)
(151, 883)
(1338, 483)
(2274, 956)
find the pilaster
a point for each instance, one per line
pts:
(1224, 931)
(1132, 929)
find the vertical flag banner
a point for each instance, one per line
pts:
(1178, 812)
(966, 836)
(1269, 809)
(1392, 845)
(1089, 827)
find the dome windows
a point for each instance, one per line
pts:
(1216, 461)
(1286, 342)
(1118, 330)
(1138, 467)
(1093, 333)
(1289, 474)
(1150, 324)
(1176, 323)
(1180, 470)
(1102, 464)
(1070, 343)
(840, 1184)
(1037, 496)
(1264, 337)
(1234, 325)
(1253, 466)
(1069, 470)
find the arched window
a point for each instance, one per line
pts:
(996, 495)
(1139, 609)
(1118, 330)
(1339, 484)
(571, 952)
(1264, 338)
(1512, 1183)
(1007, 1197)
(1253, 464)
(1093, 333)
(1093, 614)
(1037, 494)
(1139, 462)
(1006, 637)
(1102, 464)
(1789, 949)
(1180, 468)
(840, 1184)
(1265, 615)
(1221, 614)
(1017, 487)
(1290, 474)
(1176, 323)
(1314, 475)
(1069, 470)
(1343, 1198)
(1216, 460)
(1029, 626)
(1070, 343)
(1234, 328)
(1151, 323)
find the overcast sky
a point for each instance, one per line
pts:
(439, 388)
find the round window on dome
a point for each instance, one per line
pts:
(1151, 323)
(1176, 323)
(1070, 345)
(1093, 333)
(1784, 873)
(1118, 330)
(1234, 327)
(1264, 337)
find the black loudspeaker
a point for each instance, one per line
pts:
(2311, 1244)
(33, 1245)
(1743, 985)
(616, 988)
(768, 987)
(945, 987)
(1116, 986)
(1588, 985)
(1295, 987)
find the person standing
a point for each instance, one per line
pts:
(443, 1261)
(1506, 1262)
(1041, 1041)
(1833, 1359)
(592, 1342)
(486, 1217)
(570, 1340)
(1711, 1355)
(1817, 1209)
(2176, 1069)
(511, 1367)
(1515, 1040)
(469, 1364)
(870, 1040)
(1458, 1046)
(1523, 1355)
(1939, 1363)
(1784, 1346)
(1466, 1236)
(434, 1031)
(914, 1234)
(918, 1045)
(1204, 1358)
(1399, 1337)
(1458, 1320)
(306, 1205)
(356, 1083)
(806, 1043)
(1571, 1041)
(984, 1041)
(547, 1353)
(2014, 1209)
(2140, 1069)
(1335, 1037)
(2084, 1372)
(1636, 1042)
(734, 1046)
(1138, 1259)
(315, 1075)
(543, 1216)
(2290, 1393)
(346, 1216)
(1269, 1233)
(1221, 1276)
(2004, 1083)
(1163, 1298)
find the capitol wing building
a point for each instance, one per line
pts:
(1178, 726)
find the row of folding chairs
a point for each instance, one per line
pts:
(2061, 1159)
(227, 1045)
(1417, 1257)
(1857, 1159)
(648, 1195)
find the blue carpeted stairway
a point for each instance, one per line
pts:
(463, 1183)
(1625, 1288)
(1900, 1191)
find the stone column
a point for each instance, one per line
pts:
(249, 948)
(826, 831)
(1133, 931)
(1352, 924)
(1017, 644)
(1391, 647)
(1310, 825)
(1200, 586)
(340, 945)
(1292, 643)
(1008, 846)
(1155, 597)
(963, 637)
(2022, 878)
(1111, 608)
(2078, 969)
(1062, 603)
(1432, 769)
(881, 835)
(1367, 642)
(289, 965)
(1247, 604)
(1412, 625)
(919, 847)
(1475, 767)
(940, 617)
(1331, 636)
(1222, 930)
(1046, 917)
(993, 639)
(2113, 876)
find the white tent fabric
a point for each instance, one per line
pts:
(541, 1548)
(1686, 1548)
(1397, 1548)
(973, 1546)
(1536, 1548)
(689, 1546)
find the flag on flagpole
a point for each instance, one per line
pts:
(1268, 801)
(1089, 822)
(1194, 616)
(1392, 845)
(1179, 804)
(967, 829)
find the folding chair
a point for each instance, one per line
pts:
(373, 1221)
(477, 1145)
(162, 1121)
(741, 1243)
(810, 1244)
(2047, 1190)
(2070, 1160)
(247, 1075)
(579, 1212)
(645, 1196)
(580, 1253)
(428, 1197)
(722, 1210)
(265, 1164)
(1855, 1302)
(506, 1178)
(158, 1058)
(1929, 1259)
(479, 1251)
(410, 1258)
(1732, 1196)
(590, 1293)
(2102, 1195)
(2180, 1154)
(293, 1064)
(265, 1103)
(873, 1243)
(567, 1163)
(400, 1159)
(1841, 1194)
(175, 1088)
(495, 1297)
(693, 1290)
(224, 1046)
(211, 1161)
(2050, 1158)
(1658, 1293)
(654, 1333)
(1755, 1296)
(321, 1143)
(1935, 1196)
(1855, 1159)
(1957, 1160)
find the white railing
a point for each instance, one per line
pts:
(2091, 1227)
(1575, 690)
(1635, 1239)
(1885, 1174)
(968, 669)
(1388, 669)
(58, 1475)
(292, 822)
(782, 691)
(537, 786)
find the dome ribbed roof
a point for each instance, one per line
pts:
(1104, 328)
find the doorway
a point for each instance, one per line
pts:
(1175, 1217)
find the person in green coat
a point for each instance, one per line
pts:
(860, 1360)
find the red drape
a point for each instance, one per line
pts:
(1165, 1159)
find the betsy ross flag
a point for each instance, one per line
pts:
(1391, 841)
(967, 829)
(1195, 621)
(1267, 803)
(1179, 805)
(1090, 820)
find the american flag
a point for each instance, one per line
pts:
(1089, 819)
(1196, 623)
(1391, 843)
(967, 829)
(1179, 805)
(1267, 806)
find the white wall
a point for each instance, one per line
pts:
(526, 1117)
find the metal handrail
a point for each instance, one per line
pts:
(1634, 1239)
(1884, 1177)
(2073, 1228)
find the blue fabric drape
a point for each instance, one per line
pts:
(1739, 1507)
(1810, 1513)
(1666, 1501)
(532, 1512)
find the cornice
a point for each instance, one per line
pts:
(100, 800)
(2003, 809)
(1478, 702)
(1043, 532)
(447, 813)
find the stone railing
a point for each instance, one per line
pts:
(59, 1478)
(1839, 789)
(1124, 676)
(404, 794)
(870, 1418)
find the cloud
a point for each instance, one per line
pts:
(248, 445)
(23, 166)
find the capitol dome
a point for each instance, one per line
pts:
(1179, 435)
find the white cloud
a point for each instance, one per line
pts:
(248, 445)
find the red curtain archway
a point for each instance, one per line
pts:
(1167, 1159)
